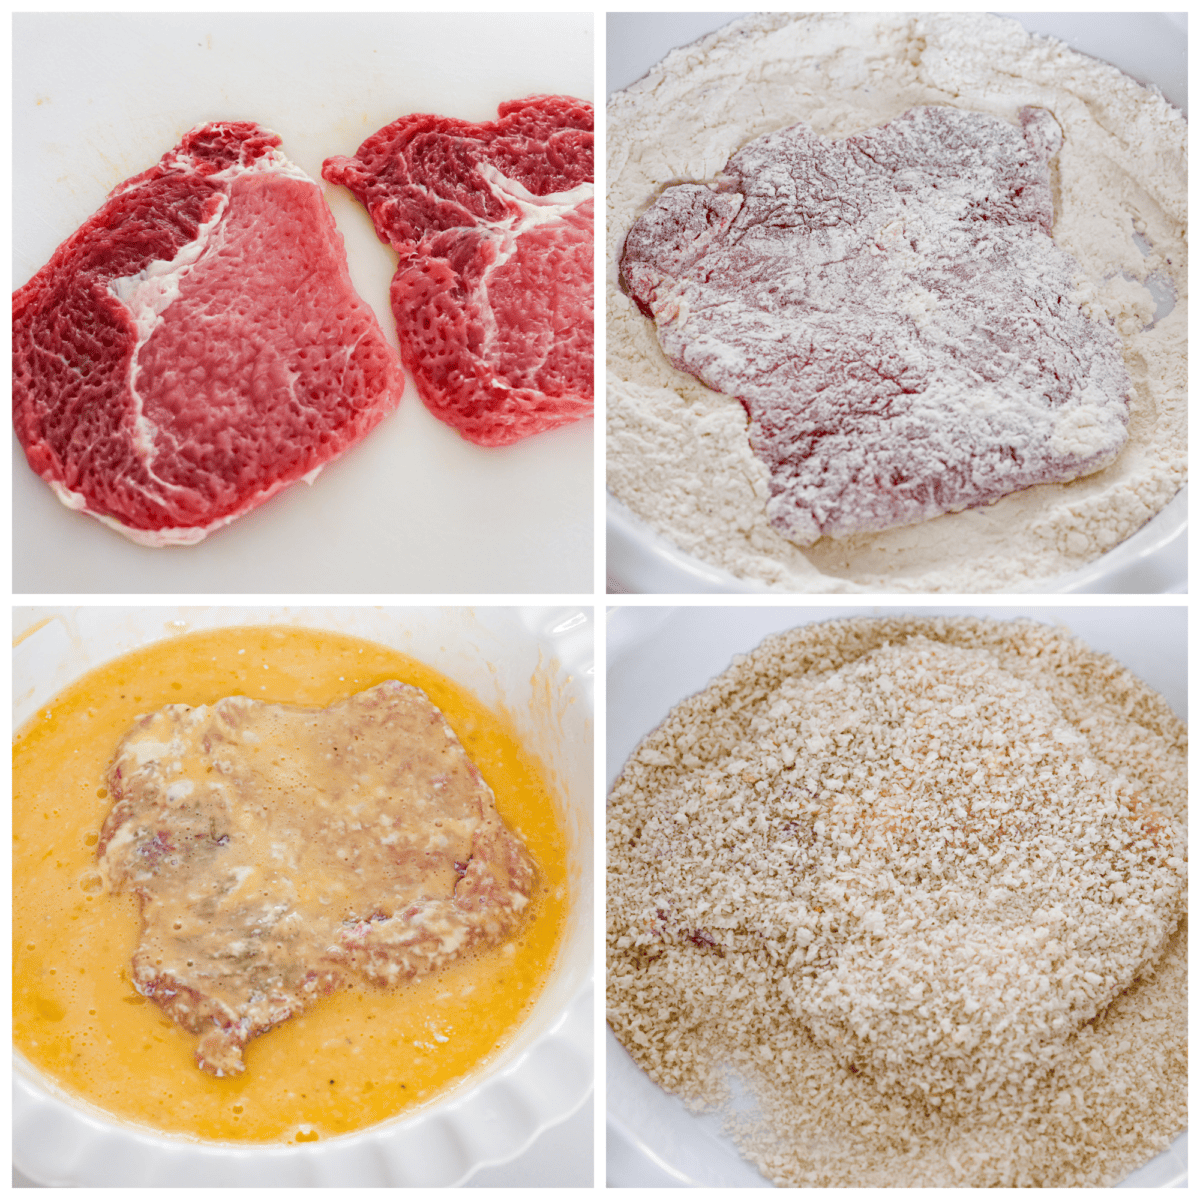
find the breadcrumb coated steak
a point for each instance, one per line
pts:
(971, 886)
(280, 852)
(913, 881)
(197, 345)
(893, 314)
(493, 223)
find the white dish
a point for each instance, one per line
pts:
(1153, 560)
(413, 508)
(536, 663)
(1152, 47)
(660, 656)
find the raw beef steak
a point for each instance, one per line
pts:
(277, 852)
(493, 290)
(197, 345)
(892, 313)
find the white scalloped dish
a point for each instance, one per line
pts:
(532, 663)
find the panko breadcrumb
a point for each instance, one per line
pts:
(921, 884)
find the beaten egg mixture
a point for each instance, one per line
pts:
(361, 1055)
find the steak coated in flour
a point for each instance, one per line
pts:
(197, 344)
(892, 313)
(279, 853)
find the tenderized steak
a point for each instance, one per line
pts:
(493, 291)
(280, 852)
(197, 345)
(892, 313)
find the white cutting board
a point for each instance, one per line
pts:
(413, 508)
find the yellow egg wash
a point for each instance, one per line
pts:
(359, 1056)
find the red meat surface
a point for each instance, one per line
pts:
(197, 344)
(893, 314)
(493, 289)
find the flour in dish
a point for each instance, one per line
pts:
(678, 453)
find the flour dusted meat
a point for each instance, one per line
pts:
(279, 853)
(892, 313)
(197, 345)
(493, 291)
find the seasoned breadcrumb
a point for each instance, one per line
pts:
(921, 884)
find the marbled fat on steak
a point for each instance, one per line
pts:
(493, 223)
(892, 313)
(278, 853)
(197, 344)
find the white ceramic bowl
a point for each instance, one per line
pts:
(1152, 47)
(1153, 560)
(660, 656)
(537, 664)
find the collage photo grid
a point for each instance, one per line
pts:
(773, 774)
